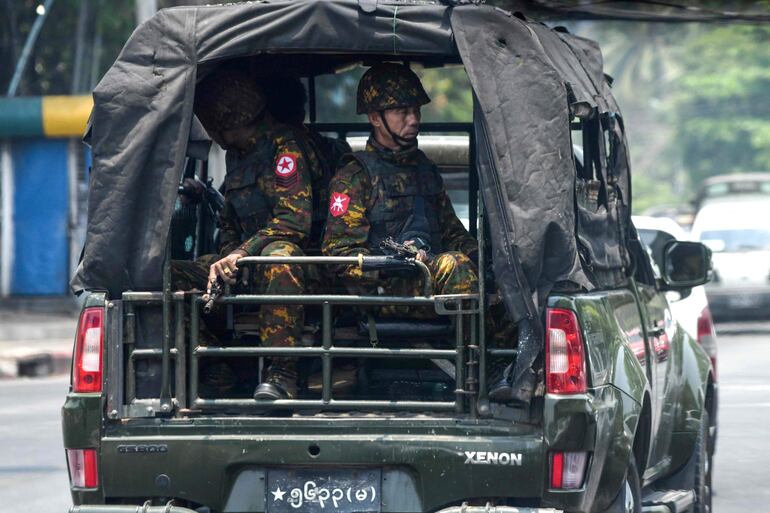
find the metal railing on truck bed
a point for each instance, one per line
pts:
(180, 352)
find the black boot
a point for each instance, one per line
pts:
(280, 383)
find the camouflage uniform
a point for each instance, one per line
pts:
(268, 212)
(380, 190)
(268, 208)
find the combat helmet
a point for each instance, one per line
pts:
(228, 98)
(389, 86)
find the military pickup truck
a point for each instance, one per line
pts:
(610, 404)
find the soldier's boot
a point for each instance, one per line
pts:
(280, 382)
(281, 325)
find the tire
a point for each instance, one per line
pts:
(629, 499)
(702, 462)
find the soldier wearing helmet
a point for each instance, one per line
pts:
(268, 209)
(393, 189)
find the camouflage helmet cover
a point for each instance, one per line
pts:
(389, 86)
(228, 98)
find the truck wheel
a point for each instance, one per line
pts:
(702, 475)
(629, 499)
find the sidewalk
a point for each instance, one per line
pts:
(36, 336)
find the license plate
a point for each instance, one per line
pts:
(316, 491)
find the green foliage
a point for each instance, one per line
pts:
(450, 92)
(721, 111)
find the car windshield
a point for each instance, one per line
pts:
(737, 240)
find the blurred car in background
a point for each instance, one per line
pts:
(738, 186)
(738, 233)
(691, 310)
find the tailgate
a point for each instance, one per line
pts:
(419, 471)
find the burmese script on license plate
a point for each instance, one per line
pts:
(319, 490)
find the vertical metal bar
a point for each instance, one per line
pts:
(483, 398)
(165, 378)
(194, 323)
(115, 359)
(459, 363)
(130, 341)
(472, 380)
(326, 359)
(180, 364)
(473, 183)
(311, 98)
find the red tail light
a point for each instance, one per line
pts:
(83, 469)
(565, 364)
(568, 469)
(557, 469)
(87, 367)
(707, 336)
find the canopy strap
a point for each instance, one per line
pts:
(395, 21)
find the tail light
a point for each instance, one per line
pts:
(87, 367)
(565, 363)
(707, 336)
(568, 469)
(83, 469)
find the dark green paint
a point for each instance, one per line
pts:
(207, 455)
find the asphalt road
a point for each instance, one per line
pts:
(33, 470)
(743, 446)
(33, 475)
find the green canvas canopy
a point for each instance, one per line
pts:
(550, 225)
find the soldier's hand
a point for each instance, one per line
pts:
(422, 255)
(225, 268)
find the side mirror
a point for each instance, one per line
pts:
(685, 264)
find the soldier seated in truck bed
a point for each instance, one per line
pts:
(269, 191)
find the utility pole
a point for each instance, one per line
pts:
(37, 26)
(145, 9)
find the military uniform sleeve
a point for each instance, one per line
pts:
(453, 233)
(229, 230)
(291, 187)
(347, 227)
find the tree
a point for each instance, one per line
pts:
(79, 41)
(722, 108)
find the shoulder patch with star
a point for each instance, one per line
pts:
(286, 175)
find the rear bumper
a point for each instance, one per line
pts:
(177, 509)
(129, 509)
(497, 509)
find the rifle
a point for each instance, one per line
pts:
(195, 190)
(398, 249)
(217, 290)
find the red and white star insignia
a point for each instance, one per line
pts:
(285, 165)
(338, 204)
(286, 170)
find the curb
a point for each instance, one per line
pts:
(34, 364)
